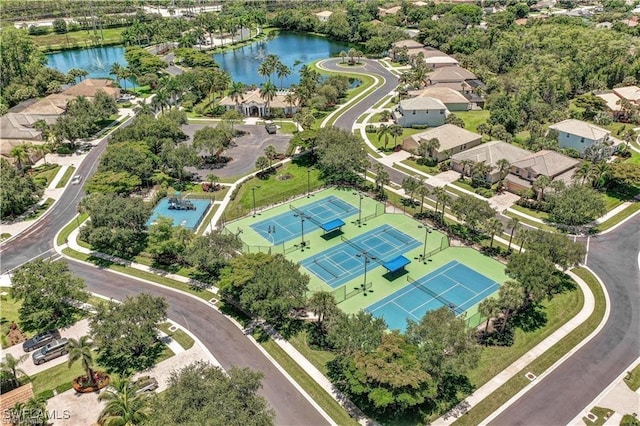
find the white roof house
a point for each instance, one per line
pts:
(324, 15)
(630, 93)
(581, 128)
(422, 103)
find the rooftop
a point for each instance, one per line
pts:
(441, 60)
(253, 96)
(630, 93)
(446, 95)
(11, 398)
(324, 13)
(408, 43)
(421, 103)
(611, 99)
(451, 74)
(491, 152)
(580, 128)
(90, 86)
(448, 135)
(547, 163)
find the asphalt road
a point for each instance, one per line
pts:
(221, 337)
(570, 388)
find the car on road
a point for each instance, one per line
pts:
(52, 350)
(270, 127)
(145, 384)
(76, 179)
(40, 340)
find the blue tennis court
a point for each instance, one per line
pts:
(286, 226)
(339, 264)
(454, 285)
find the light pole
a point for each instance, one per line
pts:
(308, 182)
(367, 258)
(359, 208)
(302, 217)
(253, 192)
(427, 231)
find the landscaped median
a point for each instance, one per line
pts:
(518, 382)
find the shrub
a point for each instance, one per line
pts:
(419, 126)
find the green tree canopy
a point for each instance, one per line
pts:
(341, 155)
(576, 205)
(18, 191)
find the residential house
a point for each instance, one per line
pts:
(451, 75)
(489, 153)
(452, 99)
(253, 105)
(9, 400)
(452, 139)
(613, 104)
(616, 98)
(578, 134)
(422, 111)
(324, 15)
(629, 93)
(89, 87)
(406, 47)
(441, 61)
(542, 163)
(390, 11)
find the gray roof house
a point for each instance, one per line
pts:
(423, 111)
(578, 134)
(489, 153)
(548, 163)
(453, 139)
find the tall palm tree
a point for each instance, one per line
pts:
(488, 308)
(540, 184)
(423, 191)
(432, 145)
(410, 185)
(352, 54)
(21, 154)
(523, 235)
(116, 71)
(213, 179)
(383, 132)
(323, 305)
(124, 406)
(583, 172)
(282, 72)
(510, 298)
(600, 174)
(82, 350)
(271, 153)
(9, 367)
(343, 55)
(466, 167)
(290, 98)
(382, 177)
(444, 199)
(268, 92)
(513, 225)
(396, 131)
(236, 92)
(493, 226)
(479, 171)
(503, 166)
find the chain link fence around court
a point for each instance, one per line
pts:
(341, 294)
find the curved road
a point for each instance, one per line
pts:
(570, 388)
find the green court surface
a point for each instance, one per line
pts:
(379, 282)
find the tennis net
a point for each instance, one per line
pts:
(324, 268)
(305, 215)
(340, 204)
(362, 250)
(394, 233)
(436, 296)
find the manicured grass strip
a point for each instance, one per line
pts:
(615, 219)
(531, 212)
(452, 189)
(530, 222)
(67, 230)
(544, 361)
(405, 170)
(633, 379)
(41, 209)
(168, 282)
(205, 223)
(182, 338)
(47, 175)
(65, 177)
(426, 169)
(58, 378)
(322, 398)
(603, 415)
(318, 358)
(382, 101)
(77, 38)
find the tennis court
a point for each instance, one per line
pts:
(453, 285)
(340, 264)
(286, 226)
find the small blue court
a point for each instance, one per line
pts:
(340, 264)
(453, 285)
(186, 218)
(286, 226)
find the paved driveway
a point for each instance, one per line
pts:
(245, 152)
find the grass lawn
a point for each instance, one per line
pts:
(319, 395)
(47, 175)
(207, 219)
(41, 209)
(379, 142)
(634, 159)
(58, 378)
(65, 177)
(9, 312)
(614, 220)
(182, 338)
(531, 212)
(561, 311)
(430, 170)
(77, 38)
(273, 190)
(633, 380)
(603, 415)
(318, 358)
(530, 222)
(472, 118)
(64, 234)
(382, 101)
(376, 118)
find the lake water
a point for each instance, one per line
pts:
(293, 49)
(97, 61)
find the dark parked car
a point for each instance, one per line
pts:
(50, 351)
(40, 340)
(271, 128)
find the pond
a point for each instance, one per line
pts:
(96, 60)
(293, 49)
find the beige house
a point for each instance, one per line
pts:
(89, 88)
(489, 153)
(253, 105)
(452, 139)
(452, 99)
(542, 163)
(451, 75)
(324, 15)
(390, 11)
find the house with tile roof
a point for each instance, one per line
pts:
(452, 99)
(489, 153)
(253, 105)
(579, 135)
(324, 15)
(452, 139)
(422, 111)
(542, 163)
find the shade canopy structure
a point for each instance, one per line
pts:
(396, 264)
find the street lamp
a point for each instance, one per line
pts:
(302, 217)
(427, 231)
(253, 191)
(308, 182)
(367, 258)
(359, 208)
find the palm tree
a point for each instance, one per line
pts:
(510, 298)
(488, 308)
(396, 131)
(513, 225)
(124, 406)
(161, 99)
(479, 171)
(583, 172)
(423, 191)
(268, 92)
(384, 131)
(262, 163)
(503, 166)
(343, 55)
(410, 185)
(444, 199)
(466, 167)
(352, 54)
(82, 350)
(385, 115)
(600, 174)
(382, 177)
(282, 72)
(236, 92)
(540, 184)
(213, 179)
(271, 153)
(432, 145)
(359, 55)
(322, 304)
(10, 368)
(290, 98)
(116, 71)
(523, 235)
(493, 226)
(33, 412)
(21, 154)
